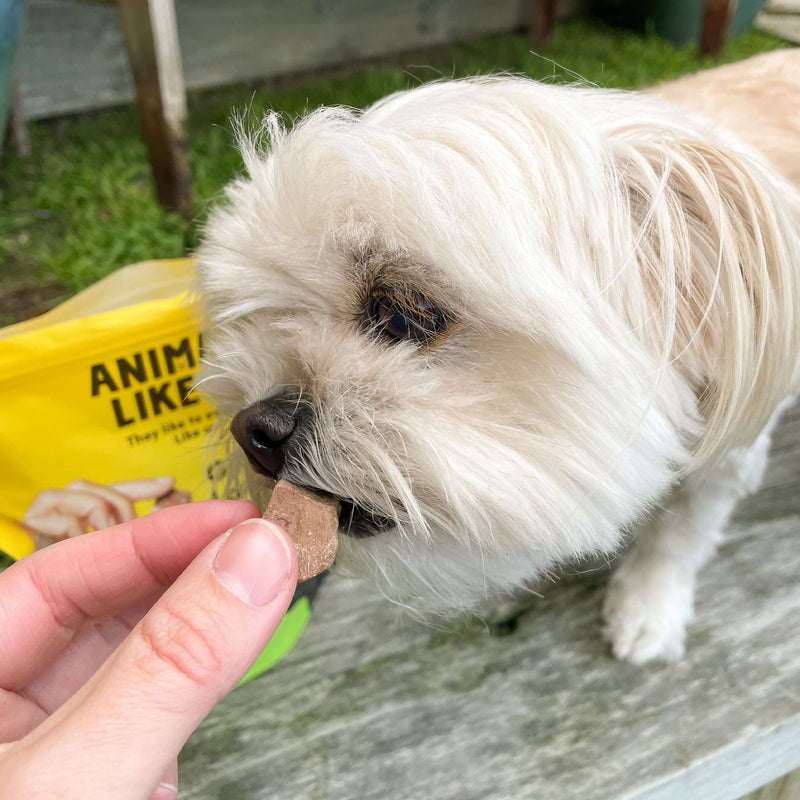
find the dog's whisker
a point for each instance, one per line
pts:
(581, 79)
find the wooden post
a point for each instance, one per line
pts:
(150, 33)
(18, 123)
(542, 21)
(716, 22)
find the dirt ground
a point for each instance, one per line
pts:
(25, 302)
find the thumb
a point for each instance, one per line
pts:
(190, 650)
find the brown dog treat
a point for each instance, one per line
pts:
(311, 518)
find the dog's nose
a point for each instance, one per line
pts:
(262, 431)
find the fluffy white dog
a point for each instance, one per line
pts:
(510, 323)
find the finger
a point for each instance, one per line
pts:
(47, 596)
(18, 716)
(168, 788)
(86, 652)
(145, 489)
(185, 655)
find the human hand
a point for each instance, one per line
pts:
(115, 645)
(82, 506)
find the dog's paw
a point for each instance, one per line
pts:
(646, 612)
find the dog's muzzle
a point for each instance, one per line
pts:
(265, 431)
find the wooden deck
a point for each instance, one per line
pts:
(370, 706)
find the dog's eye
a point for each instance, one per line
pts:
(407, 316)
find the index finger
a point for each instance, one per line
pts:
(47, 596)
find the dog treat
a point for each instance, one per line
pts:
(311, 518)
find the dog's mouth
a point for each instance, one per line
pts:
(360, 522)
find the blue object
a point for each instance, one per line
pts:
(12, 13)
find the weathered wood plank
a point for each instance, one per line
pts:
(787, 26)
(785, 788)
(374, 708)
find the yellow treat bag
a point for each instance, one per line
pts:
(99, 389)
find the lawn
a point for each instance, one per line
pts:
(83, 205)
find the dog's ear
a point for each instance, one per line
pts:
(715, 253)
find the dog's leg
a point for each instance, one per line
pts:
(651, 595)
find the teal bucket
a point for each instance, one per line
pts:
(681, 21)
(678, 21)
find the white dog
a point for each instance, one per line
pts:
(510, 323)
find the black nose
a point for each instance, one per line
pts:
(262, 431)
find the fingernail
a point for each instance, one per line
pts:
(253, 562)
(165, 791)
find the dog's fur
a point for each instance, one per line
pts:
(621, 283)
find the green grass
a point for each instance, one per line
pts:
(83, 204)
